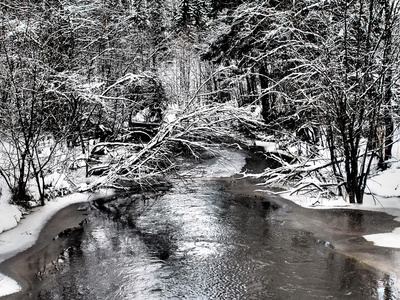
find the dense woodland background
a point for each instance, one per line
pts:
(157, 79)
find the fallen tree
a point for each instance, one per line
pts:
(313, 173)
(195, 129)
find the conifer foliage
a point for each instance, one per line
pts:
(192, 14)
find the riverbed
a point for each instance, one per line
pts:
(208, 238)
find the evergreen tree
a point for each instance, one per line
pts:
(192, 14)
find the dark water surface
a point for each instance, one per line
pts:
(200, 242)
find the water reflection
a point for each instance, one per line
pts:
(202, 243)
(356, 221)
(385, 288)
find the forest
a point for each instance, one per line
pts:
(151, 81)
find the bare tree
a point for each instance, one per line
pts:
(324, 77)
(25, 121)
(192, 130)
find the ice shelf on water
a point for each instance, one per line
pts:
(226, 163)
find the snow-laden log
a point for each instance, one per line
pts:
(299, 171)
(315, 175)
(101, 147)
(195, 129)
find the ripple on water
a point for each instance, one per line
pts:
(202, 243)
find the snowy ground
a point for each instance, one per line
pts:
(383, 194)
(24, 235)
(384, 186)
(14, 239)
(9, 214)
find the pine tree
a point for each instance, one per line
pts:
(192, 14)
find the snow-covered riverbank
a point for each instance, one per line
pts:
(18, 234)
(23, 236)
(383, 196)
(384, 186)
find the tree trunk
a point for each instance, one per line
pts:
(21, 187)
(387, 82)
(266, 101)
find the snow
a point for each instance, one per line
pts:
(171, 113)
(226, 163)
(57, 181)
(268, 146)
(13, 238)
(383, 195)
(9, 214)
(386, 184)
(391, 240)
(8, 286)
(396, 144)
(26, 233)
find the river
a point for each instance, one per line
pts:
(203, 241)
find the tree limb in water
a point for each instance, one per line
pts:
(197, 129)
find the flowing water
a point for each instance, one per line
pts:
(200, 242)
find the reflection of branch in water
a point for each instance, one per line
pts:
(356, 220)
